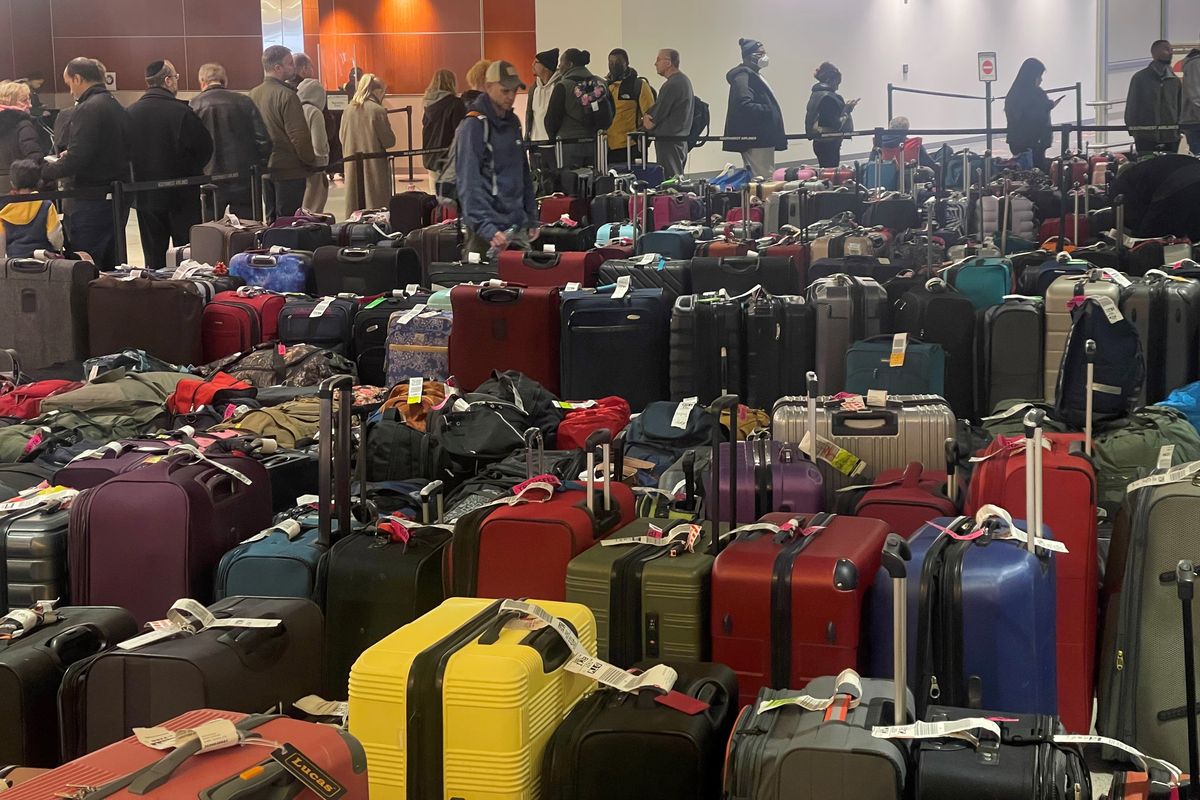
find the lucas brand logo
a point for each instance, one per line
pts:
(308, 773)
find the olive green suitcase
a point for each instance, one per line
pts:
(651, 601)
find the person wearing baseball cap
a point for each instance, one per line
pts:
(495, 187)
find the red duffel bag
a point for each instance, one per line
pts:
(579, 423)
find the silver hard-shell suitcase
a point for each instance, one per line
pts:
(911, 428)
(1058, 317)
(848, 310)
(35, 557)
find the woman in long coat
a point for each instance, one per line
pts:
(366, 129)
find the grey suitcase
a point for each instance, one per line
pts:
(43, 309)
(1058, 317)
(911, 428)
(848, 309)
(35, 557)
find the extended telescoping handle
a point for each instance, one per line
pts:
(951, 446)
(1119, 205)
(602, 439)
(1033, 476)
(813, 387)
(433, 490)
(1089, 351)
(333, 457)
(534, 444)
(1185, 586)
(896, 555)
(720, 405)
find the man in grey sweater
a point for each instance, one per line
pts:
(672, 114)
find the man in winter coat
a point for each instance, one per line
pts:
(672, 113)
(292, 156)
(313, 98)
(633, 96)
(754, 112)
(168, 141)
(98, 155)
(495, 187)
(240, 139)
(1189, 112)
(1153, 102)
(566, 117)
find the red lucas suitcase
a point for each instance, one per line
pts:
(787, 598)
(237, 321)
(504, 326)
(535, 268)
(127, 769)
(523, 550)
(555, 206)
(1070, 513)
(146, 538)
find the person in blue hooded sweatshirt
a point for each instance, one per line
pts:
(495, 187)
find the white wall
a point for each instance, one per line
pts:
(869, 40)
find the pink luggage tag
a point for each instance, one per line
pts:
(682, 702)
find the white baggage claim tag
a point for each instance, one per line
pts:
(213, 735)
(190, 617)
(847, 683)
(956, 729)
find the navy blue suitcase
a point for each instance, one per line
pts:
(628, 337)
(331, 329)
(669, 244)
(981, 622)
(289, 559)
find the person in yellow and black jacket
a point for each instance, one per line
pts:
(633, 96)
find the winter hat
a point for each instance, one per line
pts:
(154, 67)
(749, 46)
(548, 59)
(580, 58)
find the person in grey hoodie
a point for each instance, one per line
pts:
(1189, 112)
(313, 98)
(1152, 105)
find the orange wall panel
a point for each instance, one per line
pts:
(519, 48)
(509, 15)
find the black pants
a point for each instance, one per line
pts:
(283, 197)
(236, 197)
(828, 152)
(165, 217)
(89, 226)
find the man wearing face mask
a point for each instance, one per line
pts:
(169, 141)
(754, 112)
(632, 96)
(1153, 101)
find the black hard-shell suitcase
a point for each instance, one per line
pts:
(662, 752)
(740, 274)
(611, 207)
(595, 327)
(365, 270)
(370, 333)
(236, 669)
(379, 580)
(706, 345)
(1010, 349)
(936, 314)
(31, 669)
(780, 348)
(650, 271)
(304, 321)
(1166, 313)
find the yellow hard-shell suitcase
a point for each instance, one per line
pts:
(458, 704)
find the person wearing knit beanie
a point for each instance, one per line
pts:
(546, 75)
(754, 114)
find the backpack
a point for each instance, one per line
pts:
(450, 170)
(701, 118)
(1128, 449)
(593, 96)
(298, 365)
(1120, 367)
(539, 405)
(651, 437)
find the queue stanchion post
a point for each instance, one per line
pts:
(256, 191)
(1079, 116)
(118, 205)
(360, 191)
(987, 116)
(891, 93)
(1063, 185)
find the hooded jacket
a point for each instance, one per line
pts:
(443, 112)
(495, 188)
(1189, 111)
(564, 118)
(18, 140)
(537, 106)
(168, 140)
(29, 227)
(313, 98)
(240, 138)
(292, 154)
(633, 96)
(100, 144)
(1153, 99)
(753, 111)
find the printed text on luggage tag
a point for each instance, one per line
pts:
(305, 770)
(416, 387)
(1166, 454)
(1183, 472)
(213, 735)
(846, 683)
(899, 348)
(1111, 312)
(622, 287)
(411, 314)
(836, 456)
(956, 729)
(683, 411)
(1141, 759)
(320, 308)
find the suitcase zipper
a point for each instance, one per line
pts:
(251, 315)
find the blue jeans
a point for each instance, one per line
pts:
(89, 226)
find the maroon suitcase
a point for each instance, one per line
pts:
(550, 269)
(787, 605)
(145, 538)
(553, 207)
(504, 326)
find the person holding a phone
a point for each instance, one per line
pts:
(1027, 108)
(828, 115)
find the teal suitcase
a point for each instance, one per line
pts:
(868, 367)
(985, 280)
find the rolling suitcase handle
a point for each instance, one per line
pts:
(722, 403)
(1089, 350)
(1119, 204)
(333, 472)
(1005, 209)
(1185, 587)
(896, 555)
(813, 387)
(951, 446)
(1033, 477)
(434, 490)
(533, 439)
(602, 439)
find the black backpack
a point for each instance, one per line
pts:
(540, 405)
(1120, 365)
(701, 118)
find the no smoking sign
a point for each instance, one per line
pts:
(987, 67)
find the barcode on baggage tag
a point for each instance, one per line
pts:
(899, 347)
(1111, 312)
(1166, 455)
(411, 314)
(683, 412)
(320, 308)
(416, 387)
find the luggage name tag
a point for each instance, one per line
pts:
(1166, 455)
(833, 454)
(190, 617)
(289, 527)
(375, 302)
(1010, 532)
(416, 388)
(320, 707)
(877, 398)
(574, 406)
(646, 259)
(1111, 312)
(573, 286)
(473, 258)
(49, 496)
(194, 452)
(410, 315)
(213, 735)
(681, 702)
(684, 410)
(305, 770)
(899, 348)
(656, 537)
(622, 288)
(1116, 277)
(847, 683)
(855, 402)
(955, 729)
(320, 308)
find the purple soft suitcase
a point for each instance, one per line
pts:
(143, 539)
(772, 477)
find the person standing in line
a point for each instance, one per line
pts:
(443, 111)
(545, 77)
(754, 113)
(292, 155)
(98, 155)
(18, 134)
(1152, 105)
(1189, 112)
(672, 114)
(567, 117)
(351, 85)
(496, 185)
(632, 95)
(304, 70)
(240, 138)
(312, 99)
(827, 114)
(476, 79)
(1027, 110)
(168, 141)
(366, 129)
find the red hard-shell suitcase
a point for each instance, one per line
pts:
(787, 598)
(1070, 511)
(146, 538)
(503, 326)
(131, 769)
(550, 269)
(236, 321)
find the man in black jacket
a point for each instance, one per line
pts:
(240, 139)
(98, 155)
(754, 112)
(169, 141)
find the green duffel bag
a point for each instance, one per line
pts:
(1008, 418)
(1128, 449)
(119, 392)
